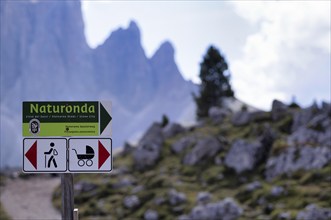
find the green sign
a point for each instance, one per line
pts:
(90, 118)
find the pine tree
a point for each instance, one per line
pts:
(215, 85)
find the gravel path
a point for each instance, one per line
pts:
(30, 198)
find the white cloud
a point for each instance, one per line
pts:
(288, 55)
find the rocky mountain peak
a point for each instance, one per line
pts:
(129, 37)
(164, 66)
(133, 26)
(166, 50)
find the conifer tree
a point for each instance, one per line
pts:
(215, 85)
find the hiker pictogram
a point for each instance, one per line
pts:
(45, 155)
(53, 153)
(85, 158)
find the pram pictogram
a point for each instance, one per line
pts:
(85, 158)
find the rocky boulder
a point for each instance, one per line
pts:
(226, 209)
(320, 122)
(127, 149)
(241, 156)
(204, 149)
(277, 191)
(326, 108)
(284, 216)
(151, 215)
(296, 158)
(217, 114)
(153, 134)
(203, 197)
(131, 202)
(172, 130)
(176, 198)
(148, 150)
(313, 212)
(244, 156)
(306, 136)
(182, 144)
(241, 118)
(278, 110)
(253, 186)
(83, 186)
(302, 117)
(146, 157)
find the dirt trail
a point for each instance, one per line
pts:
(30, 198)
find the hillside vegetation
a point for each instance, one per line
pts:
(243, 165)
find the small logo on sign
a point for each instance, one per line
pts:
(34, 126)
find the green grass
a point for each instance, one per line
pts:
(3, 179)
(3, 214)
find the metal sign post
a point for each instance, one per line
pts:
(67, 196)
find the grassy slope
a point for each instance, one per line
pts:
(302, 187)
(3, 214)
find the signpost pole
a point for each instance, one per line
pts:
(67, 196)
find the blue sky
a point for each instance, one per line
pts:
(275, 49)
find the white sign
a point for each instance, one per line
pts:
(90, 155)
(45, 155)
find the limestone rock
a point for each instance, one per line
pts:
(244, 156)
(296, 158)
(203, 197)
(151, 215)
(218, 114)
(306, 136)
(241, 118)
(127, 149)
(204, 149)
(153, 134)
(149, 147)
(146, 157)
(131, 202)
(326, 108)
(253, 186)
(172, 130)
(226, 209)
(313, 212)
(184, 217)
(277, 191)
(176, 198)
(83, 186)
(284, 216)
(278, 110)
(303, 116)
(182, 143)
(241, 156)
